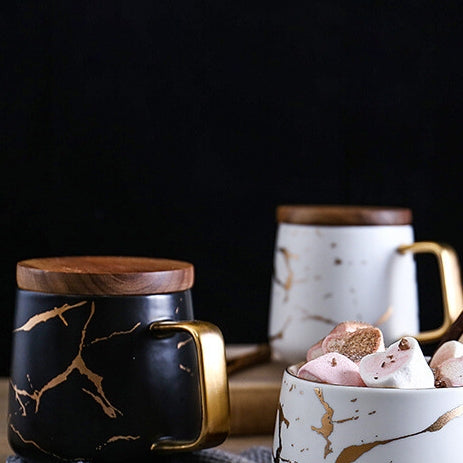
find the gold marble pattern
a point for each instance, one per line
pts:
(385, 316)
(290, 281)
(181, 344)
(281, 420)
(48, 315)
(326, 428)
(77, 364)
(352, 453)
(116, 438)
(280, 334)
(318, 318)
(33, 443)
(116, 333)
(185, 368)
(113, 439)
(352, 418)
(95, 390)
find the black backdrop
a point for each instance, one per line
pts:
(175, 128)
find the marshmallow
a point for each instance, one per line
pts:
(339, 339)
(332, 368)
(355, 344)
(349, 327)
(402, 366)
(450, 373)
(315, 351)
(448, 350)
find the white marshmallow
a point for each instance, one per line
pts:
(402, 366)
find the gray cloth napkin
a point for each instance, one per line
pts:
(251, 455)
(257, 454)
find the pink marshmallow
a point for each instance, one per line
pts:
(448, 350)
(332, 368)
(450, 373)
(355, 344)
(339, 336)
(315, 351)
(349, 327)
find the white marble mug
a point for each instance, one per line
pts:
(343, 424)
(337, 263)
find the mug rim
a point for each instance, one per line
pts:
(347, 227)
(101, 296)
(291, 370)
(342, 214)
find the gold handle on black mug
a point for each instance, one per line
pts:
(449, 271)
(213, 381)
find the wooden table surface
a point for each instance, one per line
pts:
(233, 444)
(4, 447)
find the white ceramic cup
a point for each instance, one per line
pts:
(338, 263)
(323, 423)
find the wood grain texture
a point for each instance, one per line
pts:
(254, 395)
(104, 275)
(258, 355)
(343, 215)
(5, 449)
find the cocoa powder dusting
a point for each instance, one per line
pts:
(440, 383)
(360, 343)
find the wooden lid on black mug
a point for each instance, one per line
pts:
(305, 214)
(104, 275)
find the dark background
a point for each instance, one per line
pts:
(175, 128)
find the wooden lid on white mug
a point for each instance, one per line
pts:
(104, 275)
(306, 214)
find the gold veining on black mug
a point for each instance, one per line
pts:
(91, 380)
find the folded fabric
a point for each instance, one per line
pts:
(256, 454)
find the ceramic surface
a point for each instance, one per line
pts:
(319, 423)
(324, 275)
(90, 381)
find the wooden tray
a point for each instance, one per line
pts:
(254, 395)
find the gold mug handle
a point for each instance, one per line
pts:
(213, 383)
(449, 271)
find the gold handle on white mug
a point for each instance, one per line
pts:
(213, 384)
(449, 271)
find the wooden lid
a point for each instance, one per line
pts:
(104, 275)
(343, 215)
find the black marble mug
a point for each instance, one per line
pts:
(114, 376)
